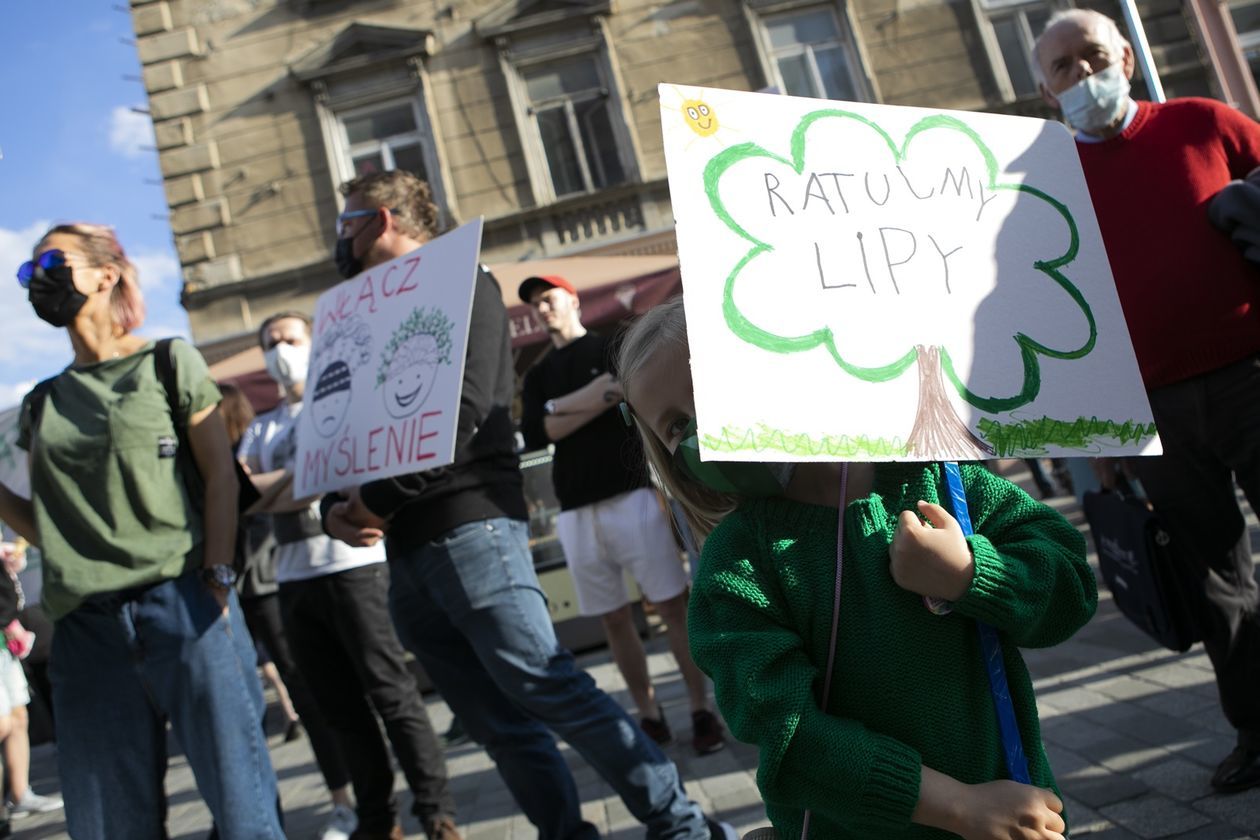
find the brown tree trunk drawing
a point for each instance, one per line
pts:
(937, 427)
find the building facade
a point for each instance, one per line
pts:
(540, 115)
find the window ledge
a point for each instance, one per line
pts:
(578, 223)
(503, 22)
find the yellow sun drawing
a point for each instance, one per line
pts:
(698, 115)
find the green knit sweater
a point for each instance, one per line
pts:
(909, 687)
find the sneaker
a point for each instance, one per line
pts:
(395, 833)
(32, 803)
(456, 734)
(342, 823)
(766, 832)
(706, 733)
(441, 828)
(1238, 772)
(657, 730)
(720, 830)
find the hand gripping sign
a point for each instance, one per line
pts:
(387, 365)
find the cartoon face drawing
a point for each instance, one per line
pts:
(699, 117)
(411, 375)
(331, 399)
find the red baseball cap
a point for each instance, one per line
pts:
(554, 281)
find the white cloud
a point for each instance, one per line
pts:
(130, 133)
(164, 329)
(157, 269)
(31, 349)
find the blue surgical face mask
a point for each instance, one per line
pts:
(1097, 101)
(751, 479)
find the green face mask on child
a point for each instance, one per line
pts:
(751, 479)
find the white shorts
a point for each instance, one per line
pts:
(13, 689)
(627, 533)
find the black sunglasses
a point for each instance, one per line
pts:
(357, 214)
(46, 260)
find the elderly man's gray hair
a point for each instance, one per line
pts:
(1087, 18)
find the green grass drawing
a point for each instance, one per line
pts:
(1031, 437)
(764, 438)
(1016, 438)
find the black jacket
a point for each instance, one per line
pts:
(1235, 210)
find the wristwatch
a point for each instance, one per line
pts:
(219, 575)
(549, 407)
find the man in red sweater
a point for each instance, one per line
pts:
(1193, 308)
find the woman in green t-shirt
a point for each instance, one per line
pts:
(137, 571)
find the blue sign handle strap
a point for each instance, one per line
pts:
(991, 648)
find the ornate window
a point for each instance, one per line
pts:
(1009, 30)
(1246, 14)
(562, 81)
(386, 136)
(808, 49)
(568, 106)
(369, 86)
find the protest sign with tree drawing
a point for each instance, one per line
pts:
(967, 249)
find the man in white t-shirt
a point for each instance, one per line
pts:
(333, 599)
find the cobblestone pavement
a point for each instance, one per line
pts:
(1133, 731)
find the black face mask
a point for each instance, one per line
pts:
(348, 264)
(54, 296)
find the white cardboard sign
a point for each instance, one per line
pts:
(387, 366)
(874, 282)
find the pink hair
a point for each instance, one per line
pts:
(101, 248)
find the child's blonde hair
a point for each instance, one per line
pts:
(665, 328)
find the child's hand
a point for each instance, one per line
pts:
(931, 559)
(1006, 810)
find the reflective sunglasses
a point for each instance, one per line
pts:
(46, 260)
(356, 214)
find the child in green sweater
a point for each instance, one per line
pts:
(908, 743)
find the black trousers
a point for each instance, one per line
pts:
(344, 642)
(1210, 428)
(262, 616)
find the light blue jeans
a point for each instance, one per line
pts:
(469, 606)
(122, 665)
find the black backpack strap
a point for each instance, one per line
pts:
(164, 360)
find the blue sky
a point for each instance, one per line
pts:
(73, 150)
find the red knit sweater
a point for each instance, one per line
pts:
(1192, 302)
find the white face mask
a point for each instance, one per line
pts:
(287, 364)
(1097, 101)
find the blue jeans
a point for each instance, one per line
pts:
(123, 664)
(469, 606)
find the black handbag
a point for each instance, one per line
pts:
(1142, 567)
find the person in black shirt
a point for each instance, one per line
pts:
(463, 592)
(611, 520)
